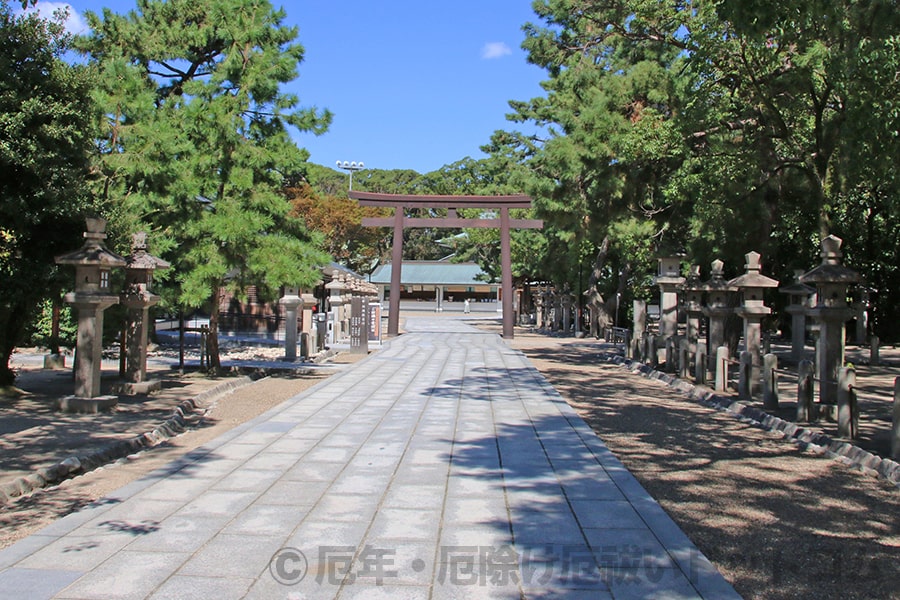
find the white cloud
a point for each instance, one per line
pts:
(75, 24)
(493, 50)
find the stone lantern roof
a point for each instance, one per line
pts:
(94, 251)
(797, 288)
(831, 270)
(140, 259)
(717, 280)
(753, 278)
(693, 289)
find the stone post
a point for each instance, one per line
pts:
(652, 352)
(745, 376)
(874, 351)
(847, 411)
(721, 368)
(799, 295)
(92, 295)
(567, 304)
(307, 327)
(538, 298)
(671, 352)
(717, 308)
(752, 285)
(831, 311)
(639, 318)
(291, 301)
(806, 408)
(895, 425)
(684, 358)
(700, 363)
(770, 382)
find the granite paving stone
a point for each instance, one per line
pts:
(441, 466)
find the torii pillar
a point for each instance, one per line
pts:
(400, 202)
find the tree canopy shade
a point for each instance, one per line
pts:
(195, 146)
(45, 129)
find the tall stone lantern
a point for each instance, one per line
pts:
(799, 295)
(717, 308)
(669, 280)
(752, 284)
(692, 300)
(138, 297)
(831, 279)
(93, 265)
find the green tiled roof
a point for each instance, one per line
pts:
(430, 273)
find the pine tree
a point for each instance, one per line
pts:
(197, 145)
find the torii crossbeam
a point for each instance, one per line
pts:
(399, 202)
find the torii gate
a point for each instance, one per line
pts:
(401, 201)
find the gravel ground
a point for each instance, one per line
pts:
(778, 522)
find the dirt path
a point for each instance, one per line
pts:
(777, 521)
(30, 513)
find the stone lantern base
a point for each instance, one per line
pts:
(54, 361)
(75, 404)
(131, 388)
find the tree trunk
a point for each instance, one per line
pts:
(11, 325)
(54, 325)
(212, 341)
(600, 316)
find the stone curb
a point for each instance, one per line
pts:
(78, 465)
(845, 452)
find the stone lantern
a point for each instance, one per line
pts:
(668, 279)
(335, 301)
(291, 301)
(831, 311)
(567, 299)
(93, 265)
(799, 294)
(752, 284)
(717, 309)
(537, 296)
(137, 297)
(692, 300)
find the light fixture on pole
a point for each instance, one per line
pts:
(350, 166)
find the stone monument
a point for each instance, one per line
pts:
(291, 301)
(799, 294)
(93, 264)
(138, 297)
(752, 284)
(831, 280)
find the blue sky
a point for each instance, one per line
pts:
(413, 84)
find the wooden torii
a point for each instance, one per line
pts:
(399, 202)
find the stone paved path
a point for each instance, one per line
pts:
(443, 466)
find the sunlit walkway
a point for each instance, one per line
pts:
(442, 466)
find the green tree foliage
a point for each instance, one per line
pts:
(196, 146)
(45, 128)
(611, 143)
(715, 128)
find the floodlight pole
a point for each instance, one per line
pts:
(350, 166)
